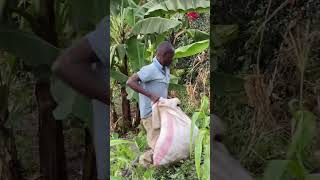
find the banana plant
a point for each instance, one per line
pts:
(201, 147)
(43, 28)
(135, 33)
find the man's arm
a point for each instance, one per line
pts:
(74, 67)
(133, 83)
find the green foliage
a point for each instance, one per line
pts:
(223, 34)
(191, 49)
(201, 118)
(135, 51)
(70, 102)
(294, 167)
(86, 13)
(305, 131)
(224, 83)
(197, 35)
(154, 25)
(120, 77)
(177, 6)
(33, 50)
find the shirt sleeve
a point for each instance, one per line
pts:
(99, 39)
(146, 73)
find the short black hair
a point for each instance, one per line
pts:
(165, 46)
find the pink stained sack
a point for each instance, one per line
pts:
(175, 129)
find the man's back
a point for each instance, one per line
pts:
(155, 79)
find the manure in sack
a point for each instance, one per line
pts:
(173, 143)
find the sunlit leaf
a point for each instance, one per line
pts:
(135, 51)
(197, 35)
(191, 49)
(120, 77)
(178, 6)
(194, 118)
(155, 25)
(198, 152)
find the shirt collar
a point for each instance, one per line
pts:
(159, 65)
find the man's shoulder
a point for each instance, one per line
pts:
(150, 67)
(98, 39)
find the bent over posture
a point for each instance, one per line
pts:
(152, 82)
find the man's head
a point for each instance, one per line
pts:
(165, 53)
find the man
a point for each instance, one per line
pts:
(84, 67)
(152, 82)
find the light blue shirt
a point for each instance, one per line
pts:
(98, 40)
(154, 79)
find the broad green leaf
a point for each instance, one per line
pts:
(191, 49)
(112, 53)
(132, 94)
(152, 3)
(155, 25)
(204, 105)
(206, 165)
(69, 102)
(175, 6)
(296, 170)
(275, 169)
(120, 77)
(221, 34)
(130, 16)
(305, 131)
(121, 51)
(194, 118)
(115, 142)
(198, 152)
(64, 96)
(206, 123)
(135, 51)
(224, 84)
(32, 49)
(197, 35)
(82, 108)
(117, 5)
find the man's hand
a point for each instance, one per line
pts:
(133, 83)
(154, 98)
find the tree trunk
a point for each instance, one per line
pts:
(125, 102)
(9, 165)
(89, 164)
(51, 144)
(125, 111)
(51, 140)
(137, 121)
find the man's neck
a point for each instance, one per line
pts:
(158, 59)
